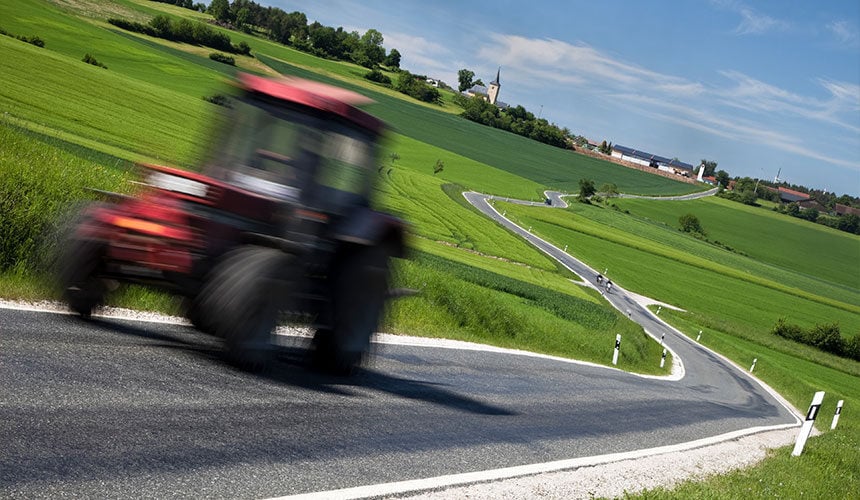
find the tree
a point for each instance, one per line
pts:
(220, 10)
(243, 16)
(810, 214)
(690, 224)
(464, 76)
(369, 51)
(722, 178)
(609, 189)
(849, 223)
(586, 190)
(710, 167)
(392, 60)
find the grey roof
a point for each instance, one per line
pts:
(660, 160)
(478, 89)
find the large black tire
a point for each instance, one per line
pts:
(241, 303)
(80, 265)
(358, 286)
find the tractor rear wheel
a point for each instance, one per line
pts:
(242, 301)
(359, 282)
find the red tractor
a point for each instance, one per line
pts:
(278, 227)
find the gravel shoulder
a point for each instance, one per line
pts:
(627, 476)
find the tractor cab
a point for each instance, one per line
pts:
(299, 142)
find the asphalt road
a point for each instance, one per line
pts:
(128, 409)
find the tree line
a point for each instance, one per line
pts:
(293, 29)
(516, 119)
(183, 30)
(748, 191)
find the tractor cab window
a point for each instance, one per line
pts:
(347, 159)
(297, 156)
(263, 151)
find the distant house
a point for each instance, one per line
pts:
(651, 160)
(811, 203)
(791, 196)
(841, 209)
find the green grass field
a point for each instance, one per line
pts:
(67, 125)
(766, 236)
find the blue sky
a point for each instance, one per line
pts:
(757, 86)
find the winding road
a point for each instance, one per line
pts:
(124, 408)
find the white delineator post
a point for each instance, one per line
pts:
(806, 428)
(663, 359)
(755, 360)
(617, 348)
(699, 335)
(836, 415)
(661, 339)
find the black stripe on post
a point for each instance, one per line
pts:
(838, 410)
(813, 412)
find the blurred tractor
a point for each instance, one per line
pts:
(278, 226)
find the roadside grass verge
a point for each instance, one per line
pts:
(466, 303)
(829, 466)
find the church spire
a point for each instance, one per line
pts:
(496, 81)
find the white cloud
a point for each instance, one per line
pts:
(578, 64)
(846, 33)
(752, 22)
(732, 128)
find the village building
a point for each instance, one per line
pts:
(791, 196)
(489, 94)
(651, 160)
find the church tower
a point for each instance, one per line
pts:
(493, 91)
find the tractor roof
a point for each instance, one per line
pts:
(316, 95)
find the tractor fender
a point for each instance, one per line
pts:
(365, 226)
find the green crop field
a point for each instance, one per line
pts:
(766, 236)
(66, 125)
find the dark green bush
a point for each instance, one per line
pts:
(33, 40)
(219, 100)
(851, 349)
(221, 58)
(89, 59)
(378, 77)
(826, 337)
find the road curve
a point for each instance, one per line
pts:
(123, 408)
(557, 198)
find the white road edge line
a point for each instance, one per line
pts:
(434, 483)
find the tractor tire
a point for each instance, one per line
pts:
(196, 314)
(359, 285)
(241, 303)
(80, 265)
